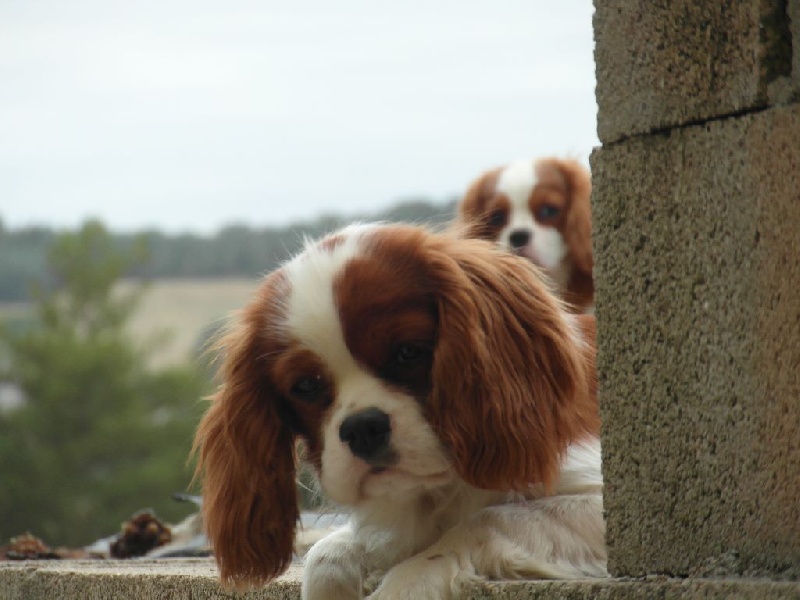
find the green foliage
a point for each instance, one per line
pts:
(24, 256)
(99, 436)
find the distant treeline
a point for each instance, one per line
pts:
(236, 250)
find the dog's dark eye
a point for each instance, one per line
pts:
(409, 353)
(307, 387)
(547, 211)
(497, 218)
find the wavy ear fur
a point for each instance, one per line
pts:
(247, 462)
(578, 229)
(512, 376)
(471, 218)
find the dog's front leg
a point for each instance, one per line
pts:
(551, 538)
(334, 568)
(437, 573)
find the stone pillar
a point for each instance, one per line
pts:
(697, 244)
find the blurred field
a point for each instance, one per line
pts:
(175, 316)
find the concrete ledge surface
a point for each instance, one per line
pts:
(195, 579)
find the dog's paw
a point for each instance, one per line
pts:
(333, 569)
(435, 577)
(331, 589)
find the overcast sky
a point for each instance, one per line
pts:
(188, 114)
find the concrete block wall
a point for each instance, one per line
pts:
(793, 8)
(670, 63)
(697, 241)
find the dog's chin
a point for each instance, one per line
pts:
(528, 253)
(395, 483)
(389, 484)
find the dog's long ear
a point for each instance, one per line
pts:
(578, 228)
(247, 462)
(471, 220)
(512, 381)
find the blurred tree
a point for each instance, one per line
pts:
(23, 253)
(98, 436)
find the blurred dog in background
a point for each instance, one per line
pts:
(541, 210)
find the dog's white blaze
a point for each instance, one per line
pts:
(516, 181)
(312, 316)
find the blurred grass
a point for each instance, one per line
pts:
(174, 317)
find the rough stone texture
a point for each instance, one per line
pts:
(196, 580)
(781, 66)
(649, 589)
(667, 63)
(697, 250)
(794, 19)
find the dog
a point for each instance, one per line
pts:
(444, 395)
(541, 210)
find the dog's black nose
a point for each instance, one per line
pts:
(367, 433)
(519, 238)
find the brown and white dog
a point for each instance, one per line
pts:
(445, 397)
(539, 209)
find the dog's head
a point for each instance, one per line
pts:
(538, 209)
(405, 360)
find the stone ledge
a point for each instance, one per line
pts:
(195, 579)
